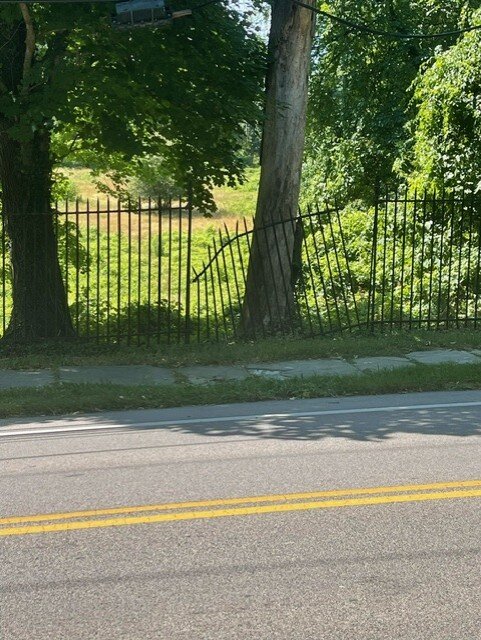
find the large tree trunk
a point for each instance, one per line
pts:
(40, 307)
(269, 299)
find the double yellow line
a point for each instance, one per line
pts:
(222, 508)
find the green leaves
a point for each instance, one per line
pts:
(446, 130)
(362, 88)
(184, 94)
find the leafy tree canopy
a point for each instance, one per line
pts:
(361, 90)
(109, 96)
(446, 130)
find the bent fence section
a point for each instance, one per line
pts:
(158, 272)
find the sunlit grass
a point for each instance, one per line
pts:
(68, 398)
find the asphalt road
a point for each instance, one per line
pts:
(349, 519)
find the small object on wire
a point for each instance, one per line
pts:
(146, 13)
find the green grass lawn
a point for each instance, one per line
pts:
(347, 345)
(239, 201)
(232, 202)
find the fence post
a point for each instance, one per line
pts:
(372, 277)
(188, 279)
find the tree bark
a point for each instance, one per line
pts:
(269, 304)
(40, 308)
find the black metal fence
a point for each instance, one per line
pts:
(159, 272)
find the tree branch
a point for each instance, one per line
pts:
(29, 40)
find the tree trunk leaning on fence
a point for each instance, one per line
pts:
(40, 308)
(269, 299)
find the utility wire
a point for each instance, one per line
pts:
(395, 35)
(194, 8)
(358, 26)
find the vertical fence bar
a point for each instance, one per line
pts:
(338, 264)
(241, 258)
(311, 275)
(226, 272)
(253, 245)
(179, 278)
(431, 270)
(87, 275)
(423, 246)
(77, 265)
(24, 248)
(403, 256)
(478, 274)
(149, 271)
(441, 249)
(285, 285)
(129, 272)
(384, 255)
(308, 307)
(39, 224)
(393, 263)
(230, 243)
(214, 298)
(188, 278)
(372, 278)
(221, 294)
(460, 256)
(295, 226)
(348, 265)
(108, 270)
(413, 257)
(169, 275)
(452, 221)
(139, 271)
(159, 268)
(470, 242)
(67, 252)
(323, 280)
(273, 281)
(198, 293)
(207, 307)
(119, 269)
(331, 276)
(97, 327)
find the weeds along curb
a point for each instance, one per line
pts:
(58, 399)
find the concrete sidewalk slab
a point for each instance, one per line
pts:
(214, 373)
(128, 375)
(381, 363)
(210, 374)
(10, 379)
(302, 368)
(440, 356)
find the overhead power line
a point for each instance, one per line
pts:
(204, 4)
(395, 35)
(347, 22)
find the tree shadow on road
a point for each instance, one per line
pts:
(460, 422)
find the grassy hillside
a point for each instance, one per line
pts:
(232, 203)
(240, 201)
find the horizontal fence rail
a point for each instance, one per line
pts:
(155, 271)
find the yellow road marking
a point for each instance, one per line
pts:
(240, 511)
(223, 502)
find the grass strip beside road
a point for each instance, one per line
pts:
(283, 503)
(73, 398)
(58, 353)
